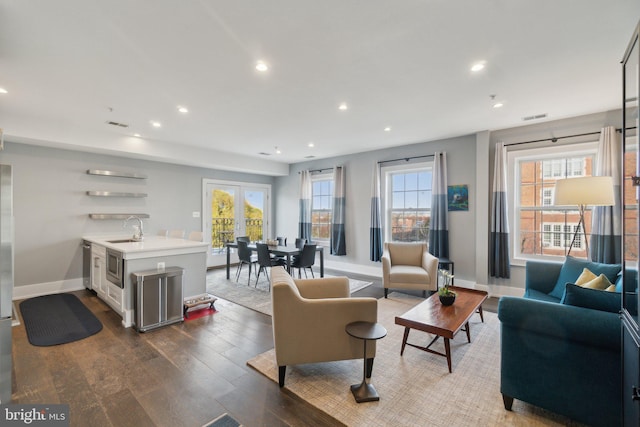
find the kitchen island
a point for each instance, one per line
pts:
(114, 260)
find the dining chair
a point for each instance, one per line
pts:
(176, 234)
(300, 242)
(305, 260)
(266, 261)
(243, 239)
(245, 257)
(282, 241)
(163, 232)
(196, 235)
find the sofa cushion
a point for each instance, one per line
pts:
(601, 282)
(591, 298)
(585, 277)
(573, 267)
(408, 274)
(540, 296)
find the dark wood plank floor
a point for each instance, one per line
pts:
(179, 375)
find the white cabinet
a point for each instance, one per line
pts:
(98, 270)
(109, 292)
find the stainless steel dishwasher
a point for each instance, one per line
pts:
(158, 299)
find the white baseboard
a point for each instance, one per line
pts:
(48, 288)
(498, 291)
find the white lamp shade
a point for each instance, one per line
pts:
(589, 190)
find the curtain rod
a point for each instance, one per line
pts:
(556, 138)
(406, 159)
(317, 170)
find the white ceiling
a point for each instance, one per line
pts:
(69, 66)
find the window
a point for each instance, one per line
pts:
(540, 229)
(407, 202)
(559, 235)
(321, 201)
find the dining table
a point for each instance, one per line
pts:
(286, 251)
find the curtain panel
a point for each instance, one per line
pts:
(606, 227)
(439, 227)
(499, 239)
(375, 229)
(304, 224)
(338, 243)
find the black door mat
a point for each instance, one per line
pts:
(57, 319)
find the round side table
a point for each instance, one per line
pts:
(365, 331)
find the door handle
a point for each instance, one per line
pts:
(635, 393)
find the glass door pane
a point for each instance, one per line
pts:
(254, 214)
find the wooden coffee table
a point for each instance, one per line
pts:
(443, 321)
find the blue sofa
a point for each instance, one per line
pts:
(563, 357)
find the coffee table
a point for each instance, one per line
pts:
(443, 321)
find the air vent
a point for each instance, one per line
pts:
(309, 157)
(262, 153)
(536, 117)
(122, 125)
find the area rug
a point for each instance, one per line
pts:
(224, 420)
(256, 297)
(415, 389)
(57, 319)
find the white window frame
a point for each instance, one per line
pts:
(513, 189)
(322, 176)
(385, 190)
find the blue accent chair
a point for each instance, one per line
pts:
(565, 358)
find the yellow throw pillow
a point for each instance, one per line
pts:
(585, 277)
(611, 288)
(601, 282)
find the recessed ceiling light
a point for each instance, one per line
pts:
(261, 66)
(278, 151)
(477, 66)
(311, 145)
(3, 90)
(387, 129)
(156, 124)
(137, 135)
(498, 105)
(343, 106)
(182, 109)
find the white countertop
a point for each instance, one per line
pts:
(150, 246)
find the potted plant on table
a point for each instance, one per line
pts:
(446, 295)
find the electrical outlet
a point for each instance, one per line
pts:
(196, 214)
(161, 266)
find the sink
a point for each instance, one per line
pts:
(123, 241)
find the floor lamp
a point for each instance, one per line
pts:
(583, 192)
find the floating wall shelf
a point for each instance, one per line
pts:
(120, 174)
(116, 215)
(114, 194)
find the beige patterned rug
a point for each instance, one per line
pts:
(246, 293)
(415, 389)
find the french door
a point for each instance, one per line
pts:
(233, 209)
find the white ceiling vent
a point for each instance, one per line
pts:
(536, 117)
(122, 125)
(262, 153)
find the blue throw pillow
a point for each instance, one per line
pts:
(592, 298)
(572, 268)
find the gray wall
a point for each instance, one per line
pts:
(461, 155)
(51, 206)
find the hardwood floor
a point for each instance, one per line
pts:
(179, 375)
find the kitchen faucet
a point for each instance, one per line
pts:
(139, 234)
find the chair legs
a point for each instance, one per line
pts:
(386, 291)
(281, 371)
(266, 273)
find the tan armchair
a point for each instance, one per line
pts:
(309, 317)
(409, 266)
